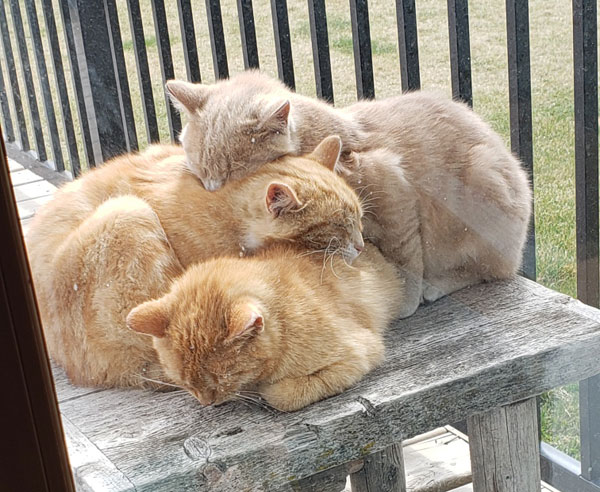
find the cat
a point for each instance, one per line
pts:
(447, 202)
(275, 325)
(122, 233)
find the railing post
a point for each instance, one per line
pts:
(61, 86)
(217, 38)
(460, 50)
(317, 16)
(95, 56)
(361, 43)
(381, 472)
(504, 449)
(283, 44)
(519, 84)
(408, 46)
(34, 113)
(13, 80)
(161, 29)
(6, 118)
(248, 33)
(585, 59)
(143, 70)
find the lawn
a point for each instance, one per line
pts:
(552, 96)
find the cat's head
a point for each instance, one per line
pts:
(234, 126)
(210, 332)
(308, 204)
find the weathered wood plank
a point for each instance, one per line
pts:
(37, 189)
(440, 462)
(332, 480)
(64, 389)
(504, 447)
(24, 176)
(480, 348)
(92, 470)
(14, 165)
(382, 472)
(25, 223)
(28, 208)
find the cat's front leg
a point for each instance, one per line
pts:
(293, 393)
(407, 256)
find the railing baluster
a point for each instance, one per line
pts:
(59, 78)
(283, 45)
(34, 113)
(320, 48)
(217, 38)
(166, 61)
(188, 38)
(585, 58)
(361, 42)
(141, 59)
(519, 82)
(65, 13)
(406, 15)
(14, 81)
(34, 29)
(7, 125)
(121, 72)
(248, 33)
(586, 149)
(100, 83)
(460, 50)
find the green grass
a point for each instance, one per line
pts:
(149, 41)
(552, 100)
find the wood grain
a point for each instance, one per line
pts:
(481, 348)
(382, 472)
(504, 447)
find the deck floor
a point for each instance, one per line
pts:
(440, 456)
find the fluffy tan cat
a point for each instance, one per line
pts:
(447, 202)
(120, 234)
(276, 325)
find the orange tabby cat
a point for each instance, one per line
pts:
(120, 234)
(448, 203)
(276, 325)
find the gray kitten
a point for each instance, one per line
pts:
(447, 202)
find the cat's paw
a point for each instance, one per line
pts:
(409, 306)
(287, 394)
(432, 293)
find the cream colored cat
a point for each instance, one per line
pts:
(120, 234)
(276, 325)
(447, 202)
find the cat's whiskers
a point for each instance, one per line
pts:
(347, 264)
(372, 213)
(157, 381)
(307, 253)
(331, 257)
(255, 401)
(327, 256)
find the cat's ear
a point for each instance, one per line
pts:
(246, 319)
(186, 96)
(280, 199)
(328, 151)
(277, 121)
(150, 318)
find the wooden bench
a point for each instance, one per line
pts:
(482, 354)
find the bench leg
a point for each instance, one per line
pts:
(505, 449)
(381, 472)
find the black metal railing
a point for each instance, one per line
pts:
(100, 84)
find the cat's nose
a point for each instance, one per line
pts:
(359, 243)
(212, 184)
